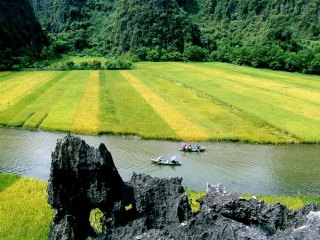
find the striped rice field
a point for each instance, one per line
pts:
(172, 100)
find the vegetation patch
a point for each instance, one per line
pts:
(124, 111)
(15, 87)
(192, 198)
(86, 118)
(291, 202)
(181, 125)
(61, 117)
(88, 63)
(7, 179)
(76, 60)
(24, 211)
(173, 101)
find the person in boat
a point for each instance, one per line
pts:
(159, 159)
(198, 146)
(189, 147)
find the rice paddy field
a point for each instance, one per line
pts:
(172, 100)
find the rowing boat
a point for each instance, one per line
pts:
(194, 149)
(166, 162)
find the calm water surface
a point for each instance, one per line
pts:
(242, 168)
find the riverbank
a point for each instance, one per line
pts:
(25, 213)
(167, 101)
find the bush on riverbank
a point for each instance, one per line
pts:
(84, 63)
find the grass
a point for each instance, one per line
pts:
(86, 118)
(62, 115)
(291, 202)
(39, 99)
(7, 179)
(192, 197)
(15, 87)
(173, 101)
(25, 213)
(124, 111)
(278, 100)
(176, 121)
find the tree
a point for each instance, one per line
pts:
(193, 53)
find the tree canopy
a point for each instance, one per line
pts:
(278, 34)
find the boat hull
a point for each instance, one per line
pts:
(165, 162)
(192, 149)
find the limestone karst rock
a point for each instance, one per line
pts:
(83, 178)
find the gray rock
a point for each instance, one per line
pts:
(83, 178)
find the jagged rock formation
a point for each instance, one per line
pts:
(83, 178)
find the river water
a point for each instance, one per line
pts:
(241, 168)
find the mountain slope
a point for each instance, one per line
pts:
(278, 34)
(21, 36)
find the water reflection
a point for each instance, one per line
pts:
(240, 168)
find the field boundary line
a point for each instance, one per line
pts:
(86, 118)
(181, 125)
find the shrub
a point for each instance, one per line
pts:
(70, 64)
(153, 56)
(193, 53)
(142, 53)
(96, 64)
(84, 65)
(120, 63)
(174, 56)
(110, 65)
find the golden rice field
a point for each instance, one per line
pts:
(175, 101)
(24, 211)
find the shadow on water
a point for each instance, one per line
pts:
(243, 168)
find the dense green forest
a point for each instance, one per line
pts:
(21, 35)
(275, 34)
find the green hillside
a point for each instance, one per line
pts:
(278, 34)
(21, 35)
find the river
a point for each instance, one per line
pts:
(241, 168)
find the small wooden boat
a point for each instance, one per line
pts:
(166, 162)
(194, 149)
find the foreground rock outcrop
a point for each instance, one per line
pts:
(83, 178)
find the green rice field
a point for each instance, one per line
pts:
(173, 101)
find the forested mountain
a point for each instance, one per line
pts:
(276, 34)
(21, 35)
(117, 26)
